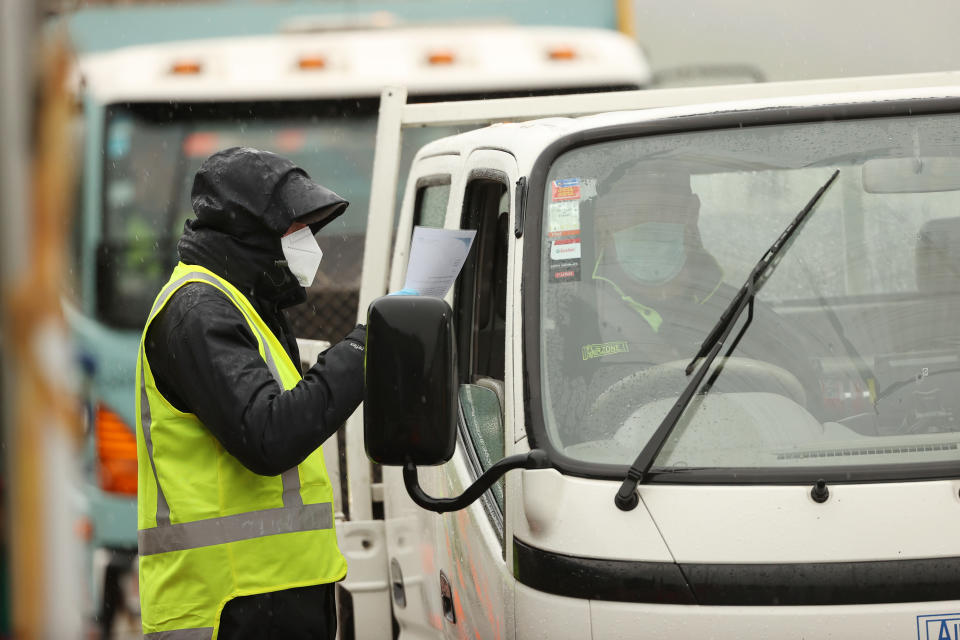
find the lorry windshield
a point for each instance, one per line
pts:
(853, 352)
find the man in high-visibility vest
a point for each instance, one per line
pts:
(235, 509)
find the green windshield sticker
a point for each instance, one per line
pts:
(605, 349)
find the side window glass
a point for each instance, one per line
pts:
(430, 208)
(480, 313)
(483, 416)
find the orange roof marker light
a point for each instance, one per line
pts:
(312, 63)
(186, 67)
(562, 52)
(440, 57)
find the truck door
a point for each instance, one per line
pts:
(461, 565)
(474, 580)
(410, 534)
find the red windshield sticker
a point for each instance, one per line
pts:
(566, 189)
(566, 271)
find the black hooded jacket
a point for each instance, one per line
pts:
(205, 358)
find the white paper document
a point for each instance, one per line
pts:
(436, 257)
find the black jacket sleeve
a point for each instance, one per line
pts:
(206, 362)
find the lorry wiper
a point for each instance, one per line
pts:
(627, 498)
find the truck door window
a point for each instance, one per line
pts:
(480, 312)
(430, 208)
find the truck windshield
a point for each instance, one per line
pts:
(152, 152)
(852, 357)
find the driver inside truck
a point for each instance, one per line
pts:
(656, 283)
(657, 292)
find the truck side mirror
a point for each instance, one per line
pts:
(410, 401)
(410, 395)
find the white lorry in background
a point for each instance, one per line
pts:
(811, 492)
(153, 113)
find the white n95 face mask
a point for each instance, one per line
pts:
(303, 255)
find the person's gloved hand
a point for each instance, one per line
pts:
(357, 338)
(405, 292)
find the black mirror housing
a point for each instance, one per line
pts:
(410, 390)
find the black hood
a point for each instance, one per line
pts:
(244, 200)
(242, 190)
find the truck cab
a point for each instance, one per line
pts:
(800, 482)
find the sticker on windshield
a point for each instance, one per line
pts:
(563, 219)
(566, 271)
(565, 189)
(565, 249)
(606, 349)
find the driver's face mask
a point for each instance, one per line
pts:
(652, 252)
(303, 255)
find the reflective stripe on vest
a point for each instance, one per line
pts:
(218, 530)
(202, 633)
(242, 526)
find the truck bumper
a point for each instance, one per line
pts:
(542, 615)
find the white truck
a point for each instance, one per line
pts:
(792, 471)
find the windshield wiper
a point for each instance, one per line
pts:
(627, 498)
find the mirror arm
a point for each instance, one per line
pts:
(536, 459)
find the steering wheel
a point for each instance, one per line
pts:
(621, 399)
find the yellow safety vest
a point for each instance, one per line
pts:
(209, 529)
